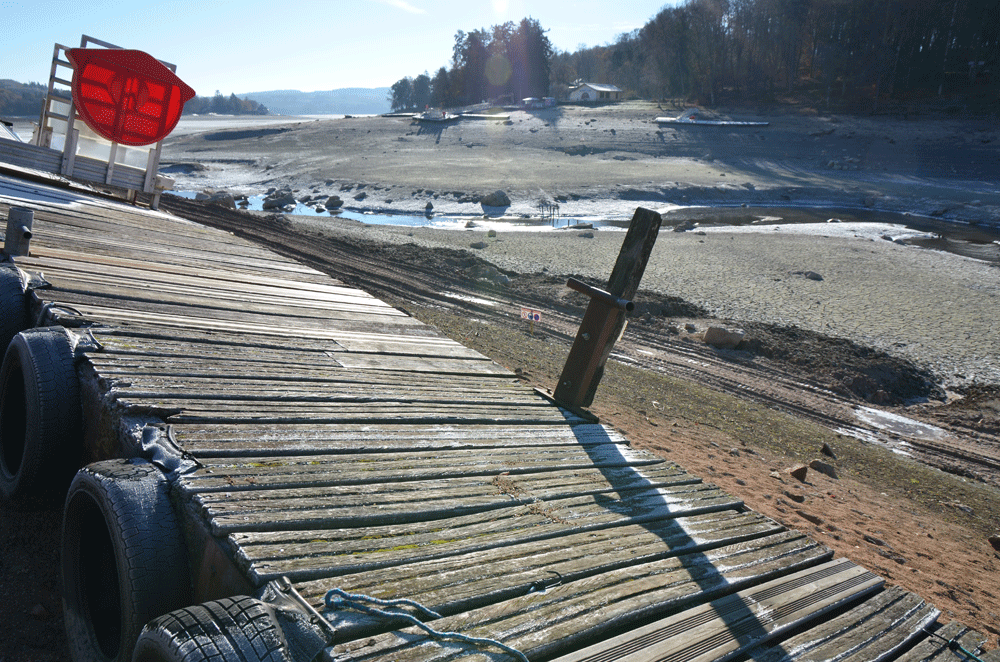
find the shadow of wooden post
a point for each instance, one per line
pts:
(604, 321)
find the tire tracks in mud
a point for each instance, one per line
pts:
(385, 274)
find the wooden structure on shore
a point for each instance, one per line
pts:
(311, 432)
(64, 145)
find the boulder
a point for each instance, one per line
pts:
(824, 468)
(279, 200)
(723, 338)
(221, 198)
(334, 202)
(495, 199)
(799, 472)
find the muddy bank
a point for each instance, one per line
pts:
(932, 308)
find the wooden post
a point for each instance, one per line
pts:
(604, 321)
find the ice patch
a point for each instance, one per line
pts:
(900, 425)
(463, 297)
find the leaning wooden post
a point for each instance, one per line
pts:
(604, 321)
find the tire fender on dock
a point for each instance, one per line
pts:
(240, 628)
(13, 304)
(124, 560)
(41, 438)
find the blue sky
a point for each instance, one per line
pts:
(258, 45)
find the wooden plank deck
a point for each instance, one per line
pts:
(335, 441)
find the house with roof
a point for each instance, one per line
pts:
(595, 92)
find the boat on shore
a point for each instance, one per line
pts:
(698, 118)
(435, 115)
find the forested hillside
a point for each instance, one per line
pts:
(26, 99)
(848, 55)
(852, 54)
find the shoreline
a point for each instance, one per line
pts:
(605, 161)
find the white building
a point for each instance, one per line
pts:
(595, 92)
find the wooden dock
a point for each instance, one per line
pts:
(323, 436)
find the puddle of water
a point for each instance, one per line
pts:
(925, 232)
(900, 425)
(256, 203)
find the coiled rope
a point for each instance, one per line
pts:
(339, 599)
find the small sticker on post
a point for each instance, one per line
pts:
(532, 316)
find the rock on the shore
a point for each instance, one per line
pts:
(799, 472)
(723, 338)
(495, 199)
(279, 200)
(222, 198)
(824, 468)
(334, 202)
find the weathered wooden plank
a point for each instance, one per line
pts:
(273, 391)
(385, 414)
(650, 584)
(337, 406)
(453, 584)
(544, 624)
(69, 255)
(375, 504)
(252, 277)
(723, 628)
(81, 276)
(152, 341)
(140, 296)
(873, 631)
(344, 332)
(131, 350)
(334, 380)
(222, 474)
(304, 555)
(341, 318)
(244, 439)
(123, 248)
(942, 645)
(111, 366)
(99, 221)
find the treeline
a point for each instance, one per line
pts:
(854, 54)
(21, 99)
(505, 63)
(26, 100)
(220, 105)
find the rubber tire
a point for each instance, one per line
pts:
(13, 306)
(240, 628)
(124, 561)
(41, 438)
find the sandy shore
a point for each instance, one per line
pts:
(931, 307)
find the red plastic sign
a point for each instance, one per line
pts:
(127, 96)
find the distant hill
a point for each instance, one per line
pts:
(345, 101)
